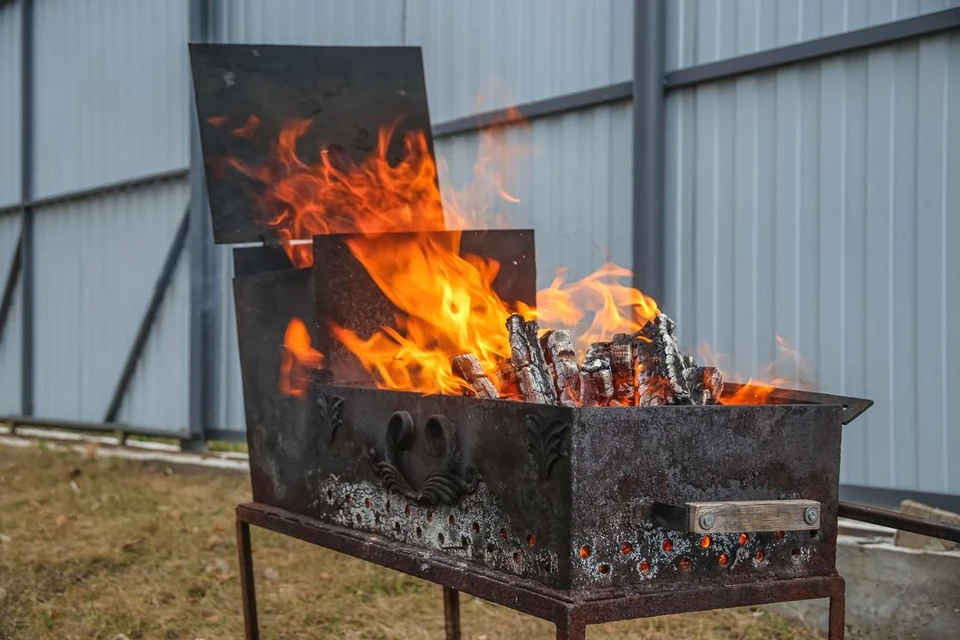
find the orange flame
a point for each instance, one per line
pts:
(297, 360)
(446, 301)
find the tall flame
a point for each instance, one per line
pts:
(446, 302)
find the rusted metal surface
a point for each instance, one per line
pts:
(451, 613)
(835, 623)
(348, 92)
(247, 587)
(571, 612)
(901, 521)
(852, 407)
(572, 510)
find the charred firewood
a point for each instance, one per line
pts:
(536, 384)
(468, 367)
(562, 362)
(596, 376)
(621, 365)
(705, 384)
(660, 365)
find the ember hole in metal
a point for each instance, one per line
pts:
(329, 494)
(503, 534)
(388, 506)
(644, 566)
(429, 516)
(684, 563)
(545, 563)
(348, 499)
(490, 547)
(743, 539)
(705, 542)
(795, 555)
(778, 535)
(419, 532)
(759, 556)
(358, 517)
(366, 502)
(518, 558)
(604, 568)
(396, 527)
(585, 551)
(440, 538)
(476, 527)
(406, 509)
(452, 520)
(532, 540)
(723, 559)
(626, 548)
(668, 545)
(464, 541)
(814, 533)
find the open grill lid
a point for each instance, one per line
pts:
(348, 92)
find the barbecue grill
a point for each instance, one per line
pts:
(577, 515)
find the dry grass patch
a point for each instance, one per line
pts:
(97, 547)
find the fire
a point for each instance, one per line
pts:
(446, 302)
(298, 359)
(612, 306)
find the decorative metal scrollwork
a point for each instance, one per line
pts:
(546, 442)
(447, 487)
(328, 415)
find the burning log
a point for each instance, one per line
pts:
(660, 365)
(468, 367)
(705, 384)
(621, 365)
(561, 361)
(596, 376)
(536, 384)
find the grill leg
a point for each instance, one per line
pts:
(451, 613)
(246, 581)
(570, 628)
(836, 618)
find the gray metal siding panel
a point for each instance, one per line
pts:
(574, 187)
(96, 262)
(702, 31)
(111, 89)
(816, 201)
(231, 416)
(321, 22)
(10, 102)
(513, 52)
(10, 341)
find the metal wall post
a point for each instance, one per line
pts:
(26, 192)
(648, 147)
(204, 277)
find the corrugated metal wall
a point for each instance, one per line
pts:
(10, 46)
(817, 202)
(701, 31)
(111, 98)
(576, 184)
(532, 50)
(97, 262)
(10, 341)
(111, 91)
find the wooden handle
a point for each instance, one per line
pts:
(740, 516)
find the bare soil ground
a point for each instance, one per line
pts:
(94, 547)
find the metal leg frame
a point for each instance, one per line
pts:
(570, 617)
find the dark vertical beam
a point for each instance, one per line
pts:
(26, 194)
(149, 317)
(204, 295)
(10, 285)
(648, 147)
